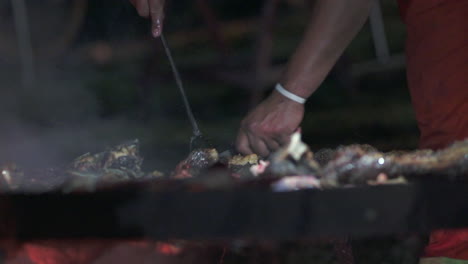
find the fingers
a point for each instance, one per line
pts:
(283, 139)
(272, 144)
(242, 143)
(268, 127)
(153, 9)
(248, 143)
(258, 145)
(156, 10)
(142, 7)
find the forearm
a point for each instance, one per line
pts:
(332, 26)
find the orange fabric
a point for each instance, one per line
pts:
(437, 71)
(437, 61)
(448, 243)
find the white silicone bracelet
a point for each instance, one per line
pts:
(289, 95)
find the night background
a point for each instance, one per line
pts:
(100, 79)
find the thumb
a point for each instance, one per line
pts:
(157, 16)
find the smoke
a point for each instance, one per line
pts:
(51, 122)
(58, 117)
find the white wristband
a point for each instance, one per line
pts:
(289, 95)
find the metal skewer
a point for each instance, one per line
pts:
(196, 140)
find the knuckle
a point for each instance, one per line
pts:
(243, 149)
(264, 153)
(252, 126)
(246, 121)
(142, 8)
(240, 143)
(154, 11)
(272, 130)
(156, 8)
(242, 146)
(265, 128)
(243, 124)
(142, 12)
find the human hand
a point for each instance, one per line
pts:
(153, 9)
(269, 125)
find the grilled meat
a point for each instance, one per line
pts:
(87, 172)
(293, 164)
(359, 165)
(293, 159)
(122, 157)
(196, 162)
(117, 164)
(240, 165)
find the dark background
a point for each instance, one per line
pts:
(100, 80)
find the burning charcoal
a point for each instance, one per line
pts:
(293, 159)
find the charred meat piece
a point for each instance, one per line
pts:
(196, 162)
(323, 156)
(117, 164)
(293, 159)
(353, 165)
(449, 162)
(123, 157)
(348, 165)
(359, 165)
(240, 165)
